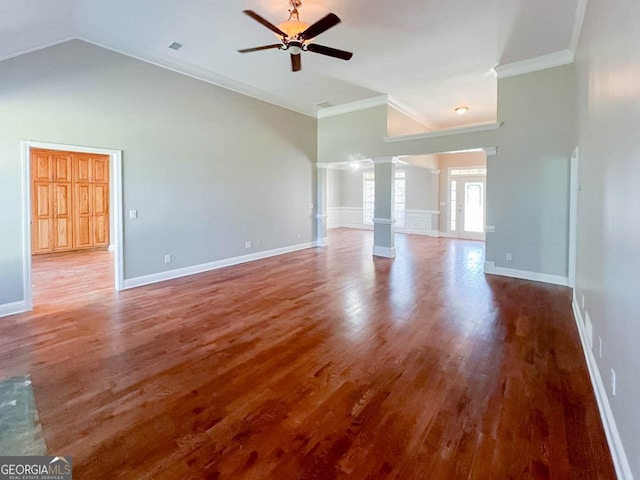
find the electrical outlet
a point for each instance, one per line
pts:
(599, 346)
(299, 236)
(509, 257)
(259, 242)
(490, 229)
(167, 258)
(613, 382)
(247, 244)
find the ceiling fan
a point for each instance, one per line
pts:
(297, 36)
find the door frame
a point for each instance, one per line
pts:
(115, 208)
(574, 186)
(456, 234)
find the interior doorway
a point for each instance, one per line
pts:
(467, 194)
(72, 213)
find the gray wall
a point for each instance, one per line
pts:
(334, 180)
(608, 227)
(360, 135)
(206, 168)
(422, 188)
(351, 194)
(528, 179)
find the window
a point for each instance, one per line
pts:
(369, 189)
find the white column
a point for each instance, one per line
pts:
(322, 217)
(384, 234)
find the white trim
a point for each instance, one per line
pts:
(490, 151)
(618, 455)
(577, 25)
(13, 308)
(386, 252)
(206, 267)
(573, 216)
(448, 235)
(410, 112)
(39, 47)
(430, 212)
(416, 231)
(378, 101)
(112, 248)
(385, 160)
(27, 285)
(491, 269)
(384, 221)
(323, 242)
(543, 62)
(483, 127)
(115, 209)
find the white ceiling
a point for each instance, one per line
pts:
(431, 55)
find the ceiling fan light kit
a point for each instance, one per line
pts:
(296, 36)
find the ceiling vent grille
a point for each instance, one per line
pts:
(175, 46)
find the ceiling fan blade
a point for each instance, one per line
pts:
(264, 22)
(321, 26)
(296, 62)
(257, 49)
(331, 52)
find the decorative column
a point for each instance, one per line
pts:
(322, 217)
(384, 232)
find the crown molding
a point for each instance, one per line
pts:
(37, 48)
(410, 112)
(581, 11)
(543, 62)
(483, 127)
(353, 106)
(193, 71)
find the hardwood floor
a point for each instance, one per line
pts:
(321, 364)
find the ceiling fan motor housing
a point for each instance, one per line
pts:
(295, 47)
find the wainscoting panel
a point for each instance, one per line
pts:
(419, 222)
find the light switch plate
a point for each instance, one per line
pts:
(133, 214)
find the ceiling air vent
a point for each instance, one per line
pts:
(324, 105)
(175, 46)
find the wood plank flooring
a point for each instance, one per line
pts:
(321, 364)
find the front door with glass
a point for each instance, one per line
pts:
(467, 201)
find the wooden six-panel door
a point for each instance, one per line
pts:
(70, 201)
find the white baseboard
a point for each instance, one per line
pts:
(206, 267)
(490, 268)
(323, 242)
(112, 248)
(13, 308)
(416, 231)
(447, 235)
(384, 251)
(620, 462)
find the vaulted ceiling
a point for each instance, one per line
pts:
(431, 55)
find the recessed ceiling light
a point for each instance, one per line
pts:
(175, 46)
(461, 110)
